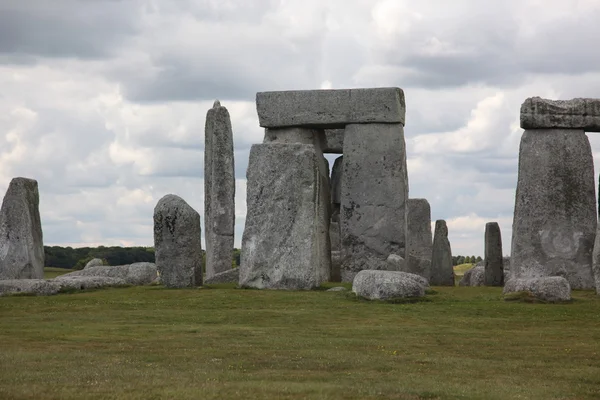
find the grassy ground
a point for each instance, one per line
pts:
(155, 343)
(50, 272)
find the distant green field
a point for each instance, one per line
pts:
(223, 343)
(50, 272)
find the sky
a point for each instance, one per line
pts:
(103, 102)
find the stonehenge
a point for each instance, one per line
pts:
(554, 225)
(287, 238)
(494, 266)
(21, 239)
(442, 273)
(419, 240)
(219, 190)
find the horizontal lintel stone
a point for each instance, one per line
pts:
(330, 108)
(580, 113)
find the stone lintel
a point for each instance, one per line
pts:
(579, 113)
(330, 108)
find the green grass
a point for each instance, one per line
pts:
(221, 343)
(459, 270)
(50, 272)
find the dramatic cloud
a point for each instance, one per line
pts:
(104, 102)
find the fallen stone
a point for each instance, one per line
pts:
(137, 274)
(554, 224)
(36, 287)
(219, 190)
(373, 212)
(551, 289)
(396, 263)
(95, 262)
(419, 239)
(383, 285)
(177, 243)
(286, 242)
(583, 114)
(87, 282)
(330, 108)
(473, 277)
(494, 267)
(337, 289)
(442, 272)
(21, 241)
(231, 276)
(334, 141)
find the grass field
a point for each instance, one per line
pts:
(219, 343)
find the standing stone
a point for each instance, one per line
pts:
(419, 240)
(494, 266)
(286, 238)
(219, 190)
(554, 223)
(177, 243)
(596, 252)
(21, 241)
(442, 273)
(334, 227)
(374, 196)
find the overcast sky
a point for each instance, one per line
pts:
(104, 101)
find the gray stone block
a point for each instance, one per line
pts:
(37, 287)
(442, 273)
(177, 243)
(551, 289)
(330, 108)
(95, 262)
(374, 196)
(383, 285)
(494, 265)
(286, 238)
(336, 180)
(538, 113)
(137, 274)
(473, 277)
(219, 190)
(554, 224)
(419, 238)
(87, 282)
(334, 141)
(21, 241)
(230, 276)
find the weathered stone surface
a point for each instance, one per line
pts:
(538, 113)
(330, 108)
(473, 277)
(334, 141)
(382, 285)
(596, 261)
(374, 196)
(554, 223)
(231, 276)
(138, 274)
(550, 289)
(21, 241)
(177, 243)
(286, 238)
(419, 238)
(87, 282)
(94, 262)
(336, 266)
(38, 287)
(494, 266)
(442, 273)
(337, 289)
(219, 190)
(396, 263)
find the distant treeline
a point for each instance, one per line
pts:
(77, 258)
(458, 260)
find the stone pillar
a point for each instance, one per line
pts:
(494, 266)
(419, 239)
(334, 227)
(596, 252)
(442, 273)
(219, 190)
(177, 243)
(21, 240)
(374, 196)
(554, 223)
(286, 238)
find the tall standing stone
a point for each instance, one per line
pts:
(494, 266)
(334, 227)
(442, 273)
(286, 238)
(596, 252)
(419, 240)
(554, 223)
(177, 243)
(219, 190)
(21, 240)
(374, 197)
